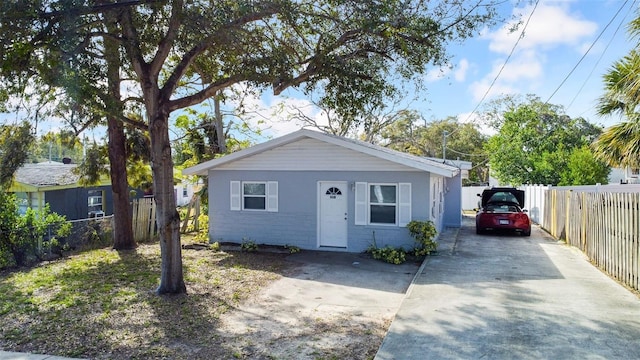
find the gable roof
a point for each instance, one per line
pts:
(380, 152)
(47, 176)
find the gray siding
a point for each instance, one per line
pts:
(73, 204)
(314, 155)
(296, 221)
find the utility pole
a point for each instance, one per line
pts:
(444, 146)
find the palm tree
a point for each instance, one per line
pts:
(619, 145)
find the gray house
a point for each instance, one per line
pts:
(324, 192)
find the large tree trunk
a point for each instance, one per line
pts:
(122, 228)
(171, 277)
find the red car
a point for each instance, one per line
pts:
(501, 209)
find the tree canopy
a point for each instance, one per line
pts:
(537, 143)
(619, 145)
(15, 142)
(411, 134)
(174, 54)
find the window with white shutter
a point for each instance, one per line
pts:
(235, 196)
(404, 204)
(361, 203)
(382, 204)
(272, 196)
(254, 196)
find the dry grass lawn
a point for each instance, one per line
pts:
(101, 304)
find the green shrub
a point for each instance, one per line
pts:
(423, 233)
(248, 245)
(292, 249)
(215, 246)
(389, 254)
(203, 231)
(22, 238)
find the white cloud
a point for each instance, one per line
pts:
(479, 89)
(461, 72)
(519, 74)
(438, 73)
(274, 116)
(551, 25)
(481, 125)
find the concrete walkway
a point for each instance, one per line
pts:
(512, 297)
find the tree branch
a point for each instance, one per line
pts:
(179, 71)
(206, 93)
(166, 44)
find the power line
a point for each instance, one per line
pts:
(535, 6)
(461, 153)
(601, 55)
(587, 52)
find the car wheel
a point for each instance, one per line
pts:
(479, 231)
(527, 232)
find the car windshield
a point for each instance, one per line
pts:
(502, 197)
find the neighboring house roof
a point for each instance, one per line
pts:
(460, 164)
(411, 161)
(48, 175)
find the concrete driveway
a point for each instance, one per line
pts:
(512, 297)
(334, 305)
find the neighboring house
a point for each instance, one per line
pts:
(184, 191)
(55, 184)
(626, 175)
(319, 191)
(463, 165)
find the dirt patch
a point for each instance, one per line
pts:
(240, 305)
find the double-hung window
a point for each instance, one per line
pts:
(254, 195)
(382, 204)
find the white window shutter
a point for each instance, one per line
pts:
(361, 204)
(272, 196)
(235, 196)
(404, 204)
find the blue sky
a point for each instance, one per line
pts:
(557, 36)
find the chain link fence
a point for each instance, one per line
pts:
(43, 244)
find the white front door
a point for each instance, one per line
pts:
(332, 230)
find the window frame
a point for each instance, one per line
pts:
(236, 195)
(264, 196)
(90, 206)
(362, 213)
(394, 204)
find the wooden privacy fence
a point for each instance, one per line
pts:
(605, 226)
(190, 222)
(144, 219)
